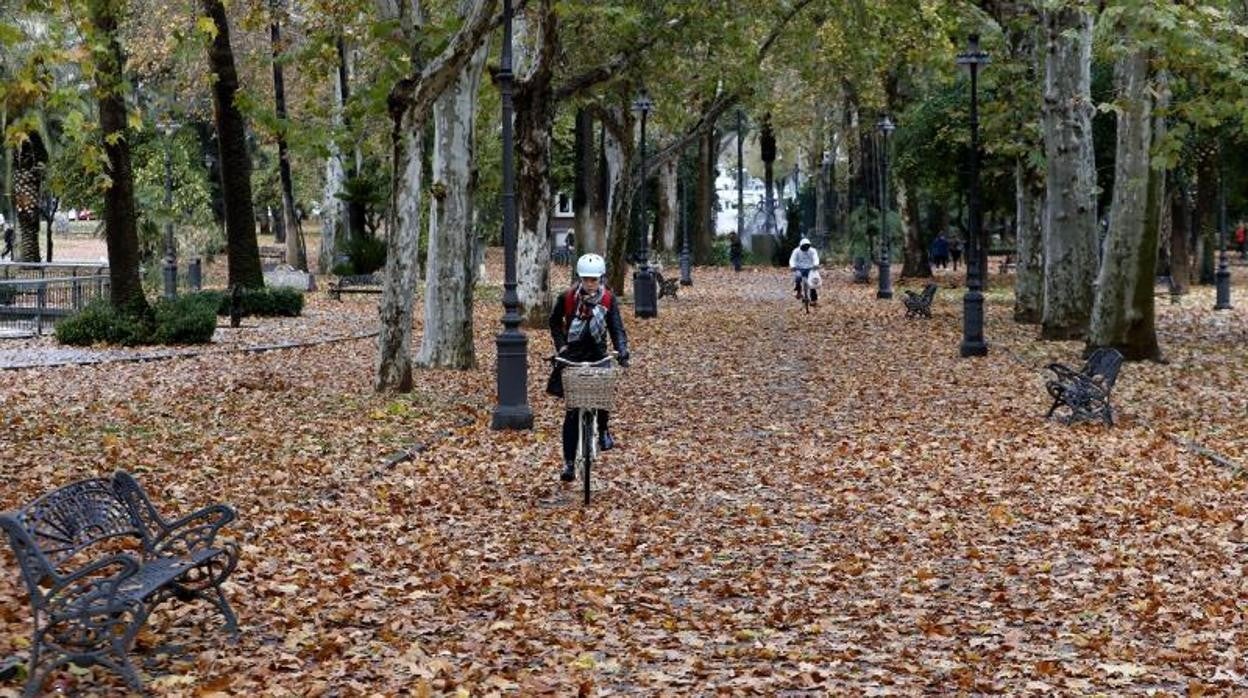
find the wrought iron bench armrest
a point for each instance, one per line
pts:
(193, 531)
(1065, 373)
(79, 590)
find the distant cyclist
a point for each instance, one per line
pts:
(580, 323)
(803, 259)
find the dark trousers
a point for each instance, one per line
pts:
(570, 429)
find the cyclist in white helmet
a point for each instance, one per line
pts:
(801, 261)
(583, 319)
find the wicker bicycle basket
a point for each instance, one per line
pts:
(589, 388)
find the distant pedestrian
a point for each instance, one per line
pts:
(8, 243)
(1241, 241)
(734, 251)
(955, 251)
(940, 251)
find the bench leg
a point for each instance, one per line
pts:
(223, 605)
(1056, 403)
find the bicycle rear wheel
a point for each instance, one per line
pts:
(589, 420)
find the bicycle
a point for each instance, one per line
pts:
(588, 386)
(806, 288)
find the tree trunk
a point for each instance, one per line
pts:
(588, 236)
(410, 103)
(617, 155)
(1070, 255)
(334, 216)
(669, 208)
(447, 338)
(394, 363)
(534, 118)
(704, 201)
(1180, 234)
(30, 163)
(357, 217)
(1205, 221)
(915, 263)
(1123, 314)
(240, 219)
(1029, 238)
(121, 232)
(296, 250)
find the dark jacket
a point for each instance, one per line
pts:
(585, 348)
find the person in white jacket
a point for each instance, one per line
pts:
(803, 259)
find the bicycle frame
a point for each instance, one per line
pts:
(587, 429)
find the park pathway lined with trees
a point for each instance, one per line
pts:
(831, 502)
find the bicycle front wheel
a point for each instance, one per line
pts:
(589, 420)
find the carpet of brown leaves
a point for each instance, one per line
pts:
(832, 504)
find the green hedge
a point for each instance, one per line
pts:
(189, 319)
(261, 302)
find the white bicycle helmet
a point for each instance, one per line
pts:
(591, 266)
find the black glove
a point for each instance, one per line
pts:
(622, 357)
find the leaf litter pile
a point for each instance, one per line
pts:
(812, 504)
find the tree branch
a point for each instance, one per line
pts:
(603, 72)
(775, 31)
(705, 122)
(439, 72)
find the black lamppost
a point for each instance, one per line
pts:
(645, 292)
(885, 289)
(170, 264)
(512, 411)
(1222, 278)
(825, 166)
(973, 343)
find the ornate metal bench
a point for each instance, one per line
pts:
(360, 283)
(667, 287)
(920, 304)
(862, 270)
(1086, 391)
(96, 558)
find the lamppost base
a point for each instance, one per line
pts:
(645, 294)
(512, 411)
(973, 348)
(1223, 280)
(512, 418)
(973, 343)
(686, 270)
(885, 290)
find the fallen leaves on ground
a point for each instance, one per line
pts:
(832, 503)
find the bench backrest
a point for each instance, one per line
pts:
(929, 292)
(1104, 362)
(56, 527)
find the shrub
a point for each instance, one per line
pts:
(365, 256)
(100, 322)
(188, 319)
(262, 302)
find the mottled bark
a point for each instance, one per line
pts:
(447, 338)
(1070, 255)
(588, 235)
(619, 206)
(1123, 314)
(240, 221)
(534, 118)
(1029, 239)
(30, 164)
(334, 216)
(410, 106)
(669, 210)
(120, 229)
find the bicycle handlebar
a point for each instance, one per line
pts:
(556, 359)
